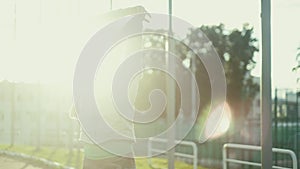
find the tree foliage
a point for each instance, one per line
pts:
(236, 49)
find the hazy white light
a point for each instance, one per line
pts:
(217, 122)
(186, 63)
(149, 71)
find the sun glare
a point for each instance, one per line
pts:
(217, 122)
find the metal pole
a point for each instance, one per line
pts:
(38, 134)
(297, 123)
(41, 11)
(13, 115)
(111, 4)
(276, 122)
(224, 154)
(15, 19)
(266, 100)
(171, 93)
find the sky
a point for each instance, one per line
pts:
(41, 40)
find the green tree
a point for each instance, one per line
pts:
(236, 49)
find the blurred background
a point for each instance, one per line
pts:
(41, 41)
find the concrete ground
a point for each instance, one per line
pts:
(9, 163)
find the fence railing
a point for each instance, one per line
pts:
(227, 160)
(193, 156)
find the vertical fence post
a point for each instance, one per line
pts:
(12, 116)
(288, 120)
(266, 100)
(15, 20)
(224, 154)
(276, 123)
(111, 4)
(285, 142)
(297, 123)
(38, 115)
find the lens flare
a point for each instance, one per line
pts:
(217, 122)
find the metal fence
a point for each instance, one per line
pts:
(286, 133)
(286, 122)
(183, 156)
(227, 160)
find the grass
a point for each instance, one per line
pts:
(160, 163)
(60, 155)
(74, 158)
